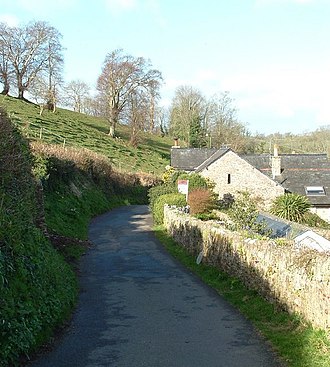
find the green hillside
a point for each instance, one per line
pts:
(80, 130)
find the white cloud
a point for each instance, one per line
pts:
(9, 19)
(284, 92)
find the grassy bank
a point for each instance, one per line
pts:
(79, 184)
(38, 288)
(297, 343)
(82, 131)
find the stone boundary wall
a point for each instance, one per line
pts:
(297, 280)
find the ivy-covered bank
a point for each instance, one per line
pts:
(38, 287)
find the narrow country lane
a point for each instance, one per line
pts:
(139, 307)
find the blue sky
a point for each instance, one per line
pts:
(273, 56)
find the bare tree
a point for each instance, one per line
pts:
(54, 67)
(76, 94)
(31, 52)
(153, 94)
(136, 112)
(93, 106)
(188, 116)
(122, 76)
(224, 127)
(6, 70)
(45, 86)
(28, 53)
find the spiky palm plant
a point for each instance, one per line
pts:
(291, 207)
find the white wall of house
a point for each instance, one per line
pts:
(231, 174)
(323, 213)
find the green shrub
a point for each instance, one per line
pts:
(170, 186)
(170, 199)
(196, 181)
(201, 201)
(168, 174)
(207, 216)
(155, 192)
(313, 220)
(291, 207)
(244, 213)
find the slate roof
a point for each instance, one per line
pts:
(263, 161)
(219, 153)
(188, 159)
(298, 170)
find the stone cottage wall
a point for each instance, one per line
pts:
(298, 281)
(323, 213)
(231, 174)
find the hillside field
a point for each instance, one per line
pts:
(70, 128)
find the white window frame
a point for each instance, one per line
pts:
(315, 190)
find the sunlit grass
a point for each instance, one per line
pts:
(70, 128)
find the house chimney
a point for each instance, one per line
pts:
(276, 163)
(176, 143)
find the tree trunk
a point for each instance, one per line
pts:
(5, 90)
(21, 94)
(112, 131)
(113, 119)
(50, 106)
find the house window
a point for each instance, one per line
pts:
(228, 179)
(314, 190)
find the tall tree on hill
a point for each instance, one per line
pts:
(153, 96)
(6, 70)
(188, 116)
(76, 94)
(54, 67)
(224, 127)
(34, 49)
(121, 76)
(45, 86)
(136, 111)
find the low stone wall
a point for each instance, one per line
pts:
(297, 280)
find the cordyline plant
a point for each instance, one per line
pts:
(291, 206)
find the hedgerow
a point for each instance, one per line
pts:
(170, 199)
(38, 288)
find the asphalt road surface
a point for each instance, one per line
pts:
(139, 307)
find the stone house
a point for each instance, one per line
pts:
(265, 176)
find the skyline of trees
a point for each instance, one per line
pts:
(31, 56)
(127, 92)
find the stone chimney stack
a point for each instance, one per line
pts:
(276, 163)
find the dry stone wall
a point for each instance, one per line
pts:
(297, 280)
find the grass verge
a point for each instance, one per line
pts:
(295, 341)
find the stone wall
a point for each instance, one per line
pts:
(298, 281)
(231, 174)
(323, 213)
